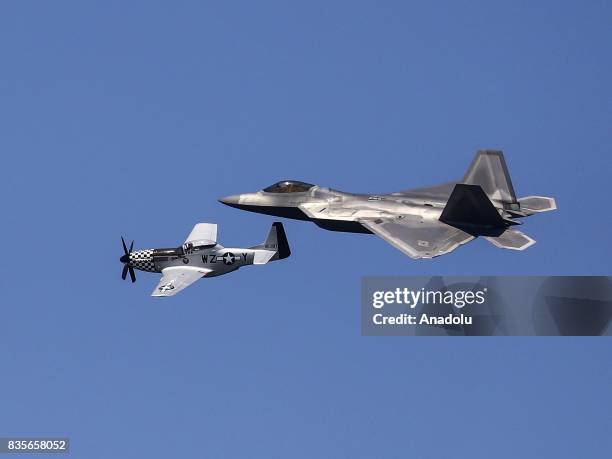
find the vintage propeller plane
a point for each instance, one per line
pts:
(201, 256)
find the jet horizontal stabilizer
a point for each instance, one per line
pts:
(511, 239)
(534, 204)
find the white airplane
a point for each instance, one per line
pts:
(201, 256)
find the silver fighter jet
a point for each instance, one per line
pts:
(201, 256)
(421, 222)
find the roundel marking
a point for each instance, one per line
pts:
(228, 258)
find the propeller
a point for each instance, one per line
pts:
(125, 259)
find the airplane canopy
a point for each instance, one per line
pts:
(288, 186)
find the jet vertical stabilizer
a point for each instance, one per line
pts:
(489, 171)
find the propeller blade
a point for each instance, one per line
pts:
(132, 274)
(126, 260)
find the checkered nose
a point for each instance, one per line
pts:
(142, 259)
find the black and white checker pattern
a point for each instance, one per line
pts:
(143, 260)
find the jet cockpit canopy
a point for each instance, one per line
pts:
(288, 186)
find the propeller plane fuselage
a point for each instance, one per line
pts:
(219, 259)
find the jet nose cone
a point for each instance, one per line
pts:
(230, 200)
(124, 259)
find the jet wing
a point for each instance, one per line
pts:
(416, 238)
(203, 231)
(176, 278)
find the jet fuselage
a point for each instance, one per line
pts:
(333, 209)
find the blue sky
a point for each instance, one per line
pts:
(133, 118)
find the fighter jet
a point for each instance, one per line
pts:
(201, 256)
(421, 222)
